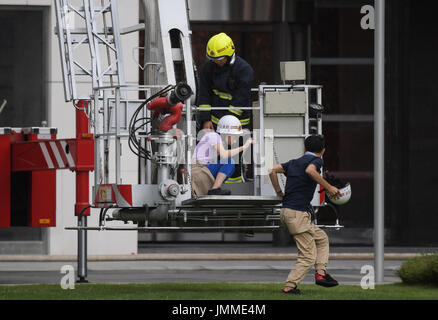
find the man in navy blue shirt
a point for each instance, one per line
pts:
(303, 175)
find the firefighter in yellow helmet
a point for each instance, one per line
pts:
(225, 82)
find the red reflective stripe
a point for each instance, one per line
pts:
(45, 161)
(123, 195)
(321, 195)
(126, 193)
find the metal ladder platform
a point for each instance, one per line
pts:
(233, 201)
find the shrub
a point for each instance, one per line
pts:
(420, 270)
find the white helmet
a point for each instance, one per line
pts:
(345, 195)
(229, 125)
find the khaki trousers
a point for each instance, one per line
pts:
(312, 244)
(201, 178)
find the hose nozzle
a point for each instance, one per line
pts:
(180, 93)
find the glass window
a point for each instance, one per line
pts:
(336, 33)
(349, 147)
(348, 89)
(349, 157)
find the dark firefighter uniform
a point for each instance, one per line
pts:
(226, 87)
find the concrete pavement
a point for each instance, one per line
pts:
(201, 263)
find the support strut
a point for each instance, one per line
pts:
(82, 250)
(82, 206)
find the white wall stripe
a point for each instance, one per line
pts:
(57, 155)
(70, 160)
(46, 155)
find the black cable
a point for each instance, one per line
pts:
(334, 209)
(133, 143)
(144, 118)
(102, 214)
(82, 211)
(139, 148)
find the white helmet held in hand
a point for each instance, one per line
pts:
(345, 195)
(229, 125)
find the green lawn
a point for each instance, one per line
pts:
(213, 291)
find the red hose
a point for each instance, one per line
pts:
(161, 106)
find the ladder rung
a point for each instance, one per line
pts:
(96, 9)
(107, 40)
(80, 72)
(75, 41)
(83, 31)
(111, 73)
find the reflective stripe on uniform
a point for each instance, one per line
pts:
(235, 180)
(235, 110)
(245, 122)
(204, 107)
(223, 95)
(214, 119)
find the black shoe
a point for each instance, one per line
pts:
(293, 291)
(325, 280)
(219, 192)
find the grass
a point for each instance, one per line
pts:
(213, 291)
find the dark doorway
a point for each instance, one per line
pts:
(22, 83)
(22, 68)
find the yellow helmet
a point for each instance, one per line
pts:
(220, 46)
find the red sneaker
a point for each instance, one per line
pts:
(325, 280)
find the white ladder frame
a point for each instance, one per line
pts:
(92, 36)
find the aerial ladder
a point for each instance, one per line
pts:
(160, 128)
